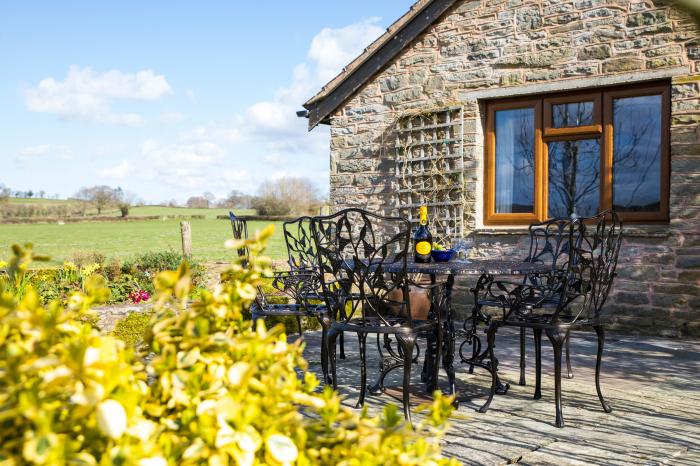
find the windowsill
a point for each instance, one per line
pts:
(629, 230)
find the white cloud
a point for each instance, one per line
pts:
(171, 117)
(188, 165)
(87, 95)
(117, 172)
(332, 49)
(264, 141)
(273, 123)
(46, 151)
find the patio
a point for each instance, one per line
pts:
(651, 383)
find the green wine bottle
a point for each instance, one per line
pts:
(422, 239)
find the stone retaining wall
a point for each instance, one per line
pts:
(499, 48)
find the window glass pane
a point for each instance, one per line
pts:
(572, 114)
(637, 154)
(515, 161)
(574, 177)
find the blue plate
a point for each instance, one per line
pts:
(442, 256)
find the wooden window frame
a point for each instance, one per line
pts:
(662, 215)
(596, 127)
(601, 129)
(491, 217)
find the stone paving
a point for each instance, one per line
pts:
(651, 383)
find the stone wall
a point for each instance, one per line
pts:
(503, 48)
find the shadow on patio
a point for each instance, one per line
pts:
(651, 383)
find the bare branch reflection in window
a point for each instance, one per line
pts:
(574, 177)
(515, 155)
(572, 114)
(637, 153)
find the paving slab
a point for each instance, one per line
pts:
(653, 385)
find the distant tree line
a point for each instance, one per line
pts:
(6, 193)
(284, 196)
(102, 197)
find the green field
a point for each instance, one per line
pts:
(144, 211)
(126, 239)
(138, 211)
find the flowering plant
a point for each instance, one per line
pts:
(139, 296)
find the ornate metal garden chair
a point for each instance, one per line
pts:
(239, 228)
(580, 294)
(549, 244)
(300, 285)
(355, 249)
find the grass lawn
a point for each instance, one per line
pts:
(126, 239)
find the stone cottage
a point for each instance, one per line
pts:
(501, 113)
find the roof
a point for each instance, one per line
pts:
(374, 58)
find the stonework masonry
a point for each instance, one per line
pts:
(506, 48)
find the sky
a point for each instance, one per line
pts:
(171, 99)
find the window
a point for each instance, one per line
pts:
(578, 153)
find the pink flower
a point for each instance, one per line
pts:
(138, 296)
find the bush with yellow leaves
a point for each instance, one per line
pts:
(214, 390)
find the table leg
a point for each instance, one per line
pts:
(428, 372)
(479, 355)
(448, 350)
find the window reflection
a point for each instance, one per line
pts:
(572, 114)
(515, 157)
(574, 177)
(637, 154)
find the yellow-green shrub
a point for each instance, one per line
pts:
(67, 394)
(131, 328)
(217, 391)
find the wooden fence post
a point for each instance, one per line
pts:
(186, 233)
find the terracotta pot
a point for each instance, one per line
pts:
(419, 300)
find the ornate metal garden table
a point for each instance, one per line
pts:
(485, 269)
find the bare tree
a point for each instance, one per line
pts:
(237, 200)
(125, 200)
(5, 192)
(197, 202)
(289, 195)
(100, 196)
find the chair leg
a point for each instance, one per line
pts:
(491, 341)
(324, 355)
(438, 356)
(342, 345)
(538, 363)
(407, 343)
(254, 316)
(362, 338)
(301, 332)
(569, 372)
(557, 339)
(475, 344)
(342, 314)
(600, 331)
(332, 337)
(522, 356)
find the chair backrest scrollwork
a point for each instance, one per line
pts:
(301, 248)
(239, 227)
(592, 267)
(549, 242)
(354, 249)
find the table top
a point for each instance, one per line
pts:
(472, 267)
